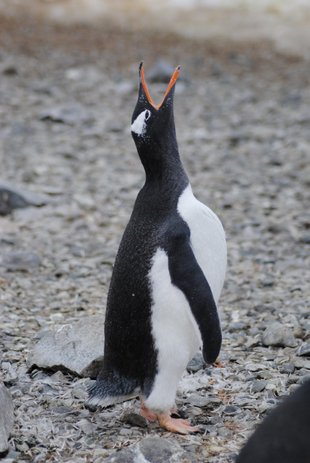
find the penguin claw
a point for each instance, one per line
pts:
(176, 425)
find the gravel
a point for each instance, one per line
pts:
(242, 119)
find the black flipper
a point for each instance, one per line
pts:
(110, 388)
(187, 275)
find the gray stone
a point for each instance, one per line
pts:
(20, 260)
(197, 363)
(152, 450)
(71, 114)
(74, 347)
(13, 197)
(277, 334)
(287, 368)
(6, 418)
(304, 350)
(258, 385)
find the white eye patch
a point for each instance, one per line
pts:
(139, 124)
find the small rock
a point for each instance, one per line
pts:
(134, 420)
(303, 350)
(10, 200)
(278, 335)
(287, 368)
(258, 385)
(197, 363)
(6, 418)
(231, 410)
(20, 261)
(86, 426)
(71, 347)
(124, 456)
(9, 373)
(198, 400)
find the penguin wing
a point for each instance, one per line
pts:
(187, 275)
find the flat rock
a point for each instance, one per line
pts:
(20, 260)
(70, 114)
(304, 350)
(152, 450)
(12, 197)
(280, 335)
(6, 418)
(75, 347)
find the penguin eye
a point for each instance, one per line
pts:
(147, 115)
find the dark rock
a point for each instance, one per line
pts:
(22, 261)
(74, 347)
(134, 420)
(10, 200)
(304, 350)
(231, 410)
(6, 418)
(10, 70)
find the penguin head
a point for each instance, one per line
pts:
(152, 123)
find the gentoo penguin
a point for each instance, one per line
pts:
(284, 435)
(167, 277)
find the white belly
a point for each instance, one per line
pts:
(207, 239)
(175, 332)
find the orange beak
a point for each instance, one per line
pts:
(173, 80)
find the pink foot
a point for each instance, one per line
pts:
(175, 424)
(147, 413)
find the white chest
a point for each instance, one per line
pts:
(207, 239)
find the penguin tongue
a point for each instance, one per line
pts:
(173, 80)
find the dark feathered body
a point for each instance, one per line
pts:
(284, 435)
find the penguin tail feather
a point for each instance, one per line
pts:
(110, 389)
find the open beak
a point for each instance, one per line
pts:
(173, 80)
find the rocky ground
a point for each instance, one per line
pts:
(242, 115)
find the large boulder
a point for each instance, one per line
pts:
(76, 347)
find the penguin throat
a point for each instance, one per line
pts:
(161, 164)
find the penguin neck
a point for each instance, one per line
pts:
(162, 163)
